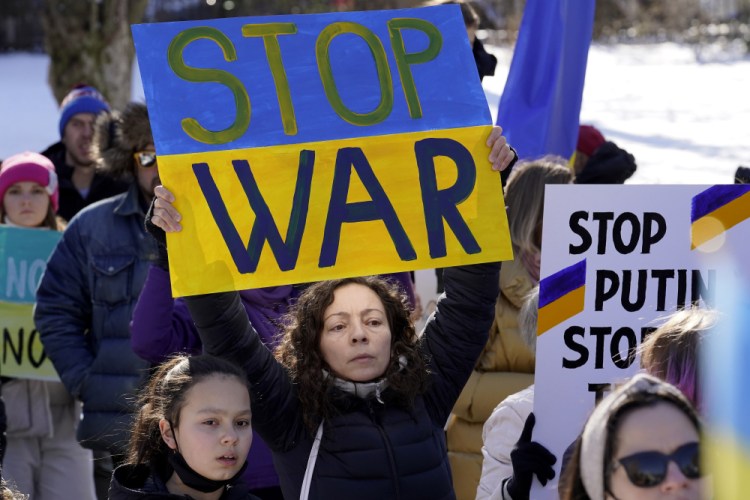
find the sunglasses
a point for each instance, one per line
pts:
(145, 158)
(649, 468)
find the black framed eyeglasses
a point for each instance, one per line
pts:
(145, 158)
(647, 469)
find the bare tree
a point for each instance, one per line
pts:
(89, 41)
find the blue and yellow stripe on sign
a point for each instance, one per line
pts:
(308, 212)
(561, 296)
(716, 210)
(726, 375)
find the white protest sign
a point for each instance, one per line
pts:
(616, 260)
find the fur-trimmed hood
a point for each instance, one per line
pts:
(117, 136)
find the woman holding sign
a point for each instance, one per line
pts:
(354, 403)
(43, 457)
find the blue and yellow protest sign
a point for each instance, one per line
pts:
(311, 147)
(23, 259)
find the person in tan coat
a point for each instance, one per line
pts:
(506, 364)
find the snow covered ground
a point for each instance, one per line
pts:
(683, 113)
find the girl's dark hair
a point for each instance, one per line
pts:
(299, 349)
(164, 397)
(571, 484)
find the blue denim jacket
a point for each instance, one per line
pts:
(84, 304)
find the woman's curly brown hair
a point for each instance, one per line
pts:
(299, 349)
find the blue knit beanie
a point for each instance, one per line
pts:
(82, 99)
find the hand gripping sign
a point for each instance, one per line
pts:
(311, 147)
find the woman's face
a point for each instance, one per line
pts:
(356, 338)
(26, 204)
(214, 433)
(661, 428)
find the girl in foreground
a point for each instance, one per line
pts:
(354, 402)
(191, 436)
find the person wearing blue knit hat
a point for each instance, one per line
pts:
(80, 182)
(82, 99)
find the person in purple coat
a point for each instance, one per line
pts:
(161, 326)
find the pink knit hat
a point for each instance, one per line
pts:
(30, 167)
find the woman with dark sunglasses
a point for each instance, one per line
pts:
(642, 442)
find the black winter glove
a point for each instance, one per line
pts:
(528, 458)
(609, 164)
(160, 236)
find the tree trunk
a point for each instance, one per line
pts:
(89, 41)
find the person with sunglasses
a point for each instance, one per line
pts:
(93, 279)
(641, 442)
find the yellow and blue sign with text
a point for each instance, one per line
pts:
(311, 147)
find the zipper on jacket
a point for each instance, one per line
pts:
(388, 449)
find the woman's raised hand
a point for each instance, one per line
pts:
(501, 155)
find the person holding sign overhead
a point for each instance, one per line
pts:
(43, 457)
(316, 147)
(354, 403)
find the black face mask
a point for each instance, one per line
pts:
(196, 481)
(192, 479)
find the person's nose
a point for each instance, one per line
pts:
(675, 479)
(359, 333)
(88, 131)
(231, 436)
